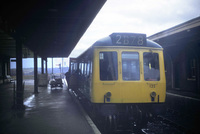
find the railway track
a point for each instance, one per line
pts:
(170, 122)
(99, 121)
(161, 124)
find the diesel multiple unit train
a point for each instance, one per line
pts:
(119, 76)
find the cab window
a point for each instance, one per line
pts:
(130, 66)
(151, 66)
(108, 66)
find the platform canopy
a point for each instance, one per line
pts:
(52, 28)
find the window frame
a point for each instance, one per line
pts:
(115, 61)
(139, 66)
(144, 71)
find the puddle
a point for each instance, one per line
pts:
(28, 101)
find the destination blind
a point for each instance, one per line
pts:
(128, 39)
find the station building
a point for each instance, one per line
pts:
(181, 45)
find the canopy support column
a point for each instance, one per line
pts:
(35, 74)
(20, 86)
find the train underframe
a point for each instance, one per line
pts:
(115, 117)
(119, 116)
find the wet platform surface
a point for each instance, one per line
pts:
(49, 112)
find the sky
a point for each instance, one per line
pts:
(137, 16)
(29, 62)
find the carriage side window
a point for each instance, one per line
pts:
(130, 66)
(85, 69)
(151, 66)
(108, 66)
(88, 68)
(82, 68)
(73, 67)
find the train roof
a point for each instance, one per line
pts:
(109, 41)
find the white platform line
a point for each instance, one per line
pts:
(64, 81)
(183, 96)
(89, 120)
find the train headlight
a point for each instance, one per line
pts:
(153, 95)
(107, 96)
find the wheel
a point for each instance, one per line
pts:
(110, 124)
(142, 118)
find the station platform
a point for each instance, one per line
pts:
(51, 111)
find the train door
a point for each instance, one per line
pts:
(72, 73)
(154, 85)
(142, 75)
(106, 77)
(130, 76)
(73, 65)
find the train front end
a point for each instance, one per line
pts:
(128, 68)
